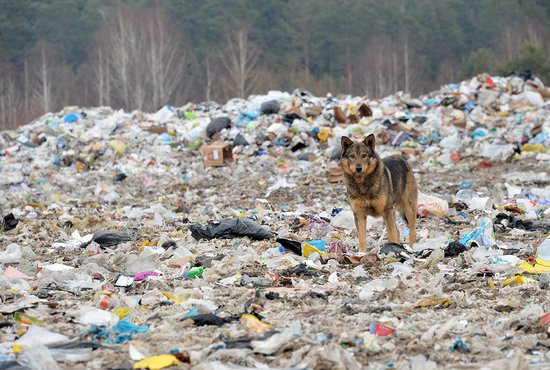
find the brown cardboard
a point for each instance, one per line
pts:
(157, 129)
(216, 154)
(339, 115)
(365, 110)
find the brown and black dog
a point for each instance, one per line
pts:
(376, 186)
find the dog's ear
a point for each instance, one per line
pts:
(345, 143)
(369, 141)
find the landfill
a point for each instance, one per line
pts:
(213, 236)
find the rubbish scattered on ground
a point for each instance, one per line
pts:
(126, 241)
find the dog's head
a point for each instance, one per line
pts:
(358, 159)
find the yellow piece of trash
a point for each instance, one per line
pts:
(517, 279)
(526, 267)
(539, 148)
(324, 133)
(254, 324)
(538, 268)
(309, 249)
(118, 146)
(492, 284)
(123, 312)
(520, 280)
(157, 362)
(172, 297)
(541, 269)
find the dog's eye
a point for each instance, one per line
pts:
(352, 156)
(365, 156)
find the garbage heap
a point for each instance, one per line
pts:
(219, 236)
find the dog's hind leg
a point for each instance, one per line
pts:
(411, 220)
(389, 221)
(407, 207)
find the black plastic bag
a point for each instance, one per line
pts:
(291, 245)
(216, 125)
(10, 222)
(109, 238)
(231, 228)
(454, 249)
(395, 248)
(211, 319)
(270, 107)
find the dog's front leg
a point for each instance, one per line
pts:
(360, 216)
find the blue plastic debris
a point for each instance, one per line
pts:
(71, 117)
(192, 312)
(459, 346)
(335, 211)
(165, 138)
(319, 244)
(119, 333)
(479, 133)
(469, 106)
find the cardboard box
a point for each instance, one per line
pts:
(216, 154)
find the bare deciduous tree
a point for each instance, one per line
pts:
(9, 101)
(240, 59)
(388, 65)
(210, 76)
(43, 76)
(167, 58)
(138, 61)
(374, 68)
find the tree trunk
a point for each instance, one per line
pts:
(26, 104)
(101, 77)
(406, 65)
(208, 78)
(45, 75)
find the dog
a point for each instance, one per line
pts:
(375, 187)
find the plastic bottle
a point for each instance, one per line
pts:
(275, 251)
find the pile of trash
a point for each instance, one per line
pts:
(220, 237)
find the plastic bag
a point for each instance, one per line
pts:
(231, 228)
(109, 238)
(429, 204)
(216, 125)
(482, 236)
(12, 254)
(270, 107)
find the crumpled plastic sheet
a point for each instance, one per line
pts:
(231, 228)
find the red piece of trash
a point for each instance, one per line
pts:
(545, 319)
(484, 164)
(381, 330)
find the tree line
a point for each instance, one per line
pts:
(143, 54)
